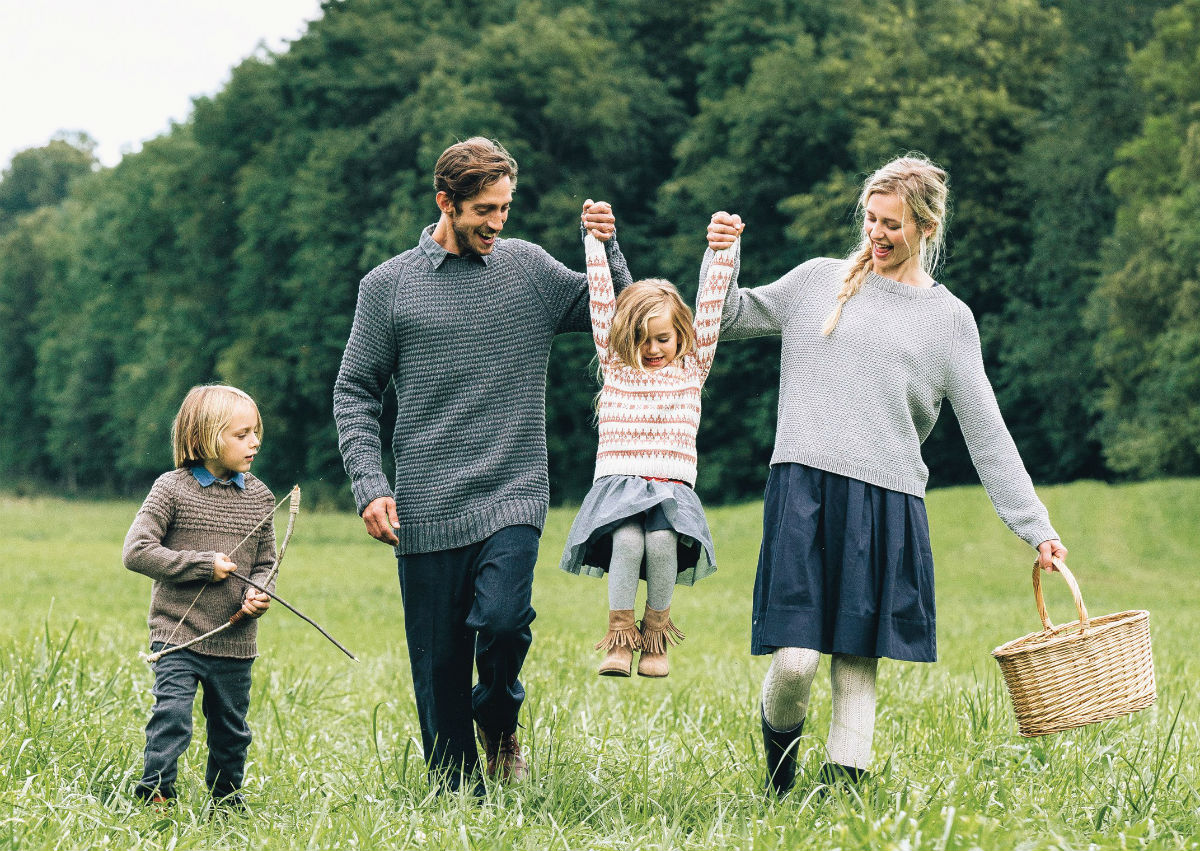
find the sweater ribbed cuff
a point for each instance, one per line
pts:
(368, 489)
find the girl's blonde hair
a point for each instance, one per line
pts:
(204, 414)
(921, 186)
(637, 304)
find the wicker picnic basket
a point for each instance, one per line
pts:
(1090, 670)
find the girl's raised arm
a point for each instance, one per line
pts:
(602, 299)
(710, 301)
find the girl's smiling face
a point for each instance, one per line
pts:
(661, 345)
(239, 443)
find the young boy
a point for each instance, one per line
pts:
(198, 523)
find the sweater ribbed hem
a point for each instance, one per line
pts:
(447, 534)
(244, 647)
(655, 468)
(853, 469)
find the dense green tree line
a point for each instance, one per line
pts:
(230, 248)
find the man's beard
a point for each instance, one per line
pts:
(462, 237)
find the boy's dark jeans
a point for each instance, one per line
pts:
(468, 608)
(225, 703)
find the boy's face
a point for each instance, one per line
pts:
(239, 443)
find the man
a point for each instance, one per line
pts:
(462, 325)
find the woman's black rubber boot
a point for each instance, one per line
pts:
(780, 748)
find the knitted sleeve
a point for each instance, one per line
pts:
(144, 552)
(761, 311)
(602, 299)
(720, 275)
(362, 378)
(992, 449)
(566, 291)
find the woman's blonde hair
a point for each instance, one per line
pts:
(637, 304)
(204, 414)
(921, 186)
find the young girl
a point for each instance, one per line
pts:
(641, 519)
(872, 346)
(198, 524)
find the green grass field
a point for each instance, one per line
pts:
(616, 763)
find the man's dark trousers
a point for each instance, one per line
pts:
(466, 608)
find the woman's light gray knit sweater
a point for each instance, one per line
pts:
(178, 531)
(861, 401)
(465, 342)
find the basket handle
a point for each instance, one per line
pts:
(1071, 583)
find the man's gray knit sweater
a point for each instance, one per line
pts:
(465, 342)
(861, 401)
(174, 539)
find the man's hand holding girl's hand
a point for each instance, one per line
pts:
(724, 229)
(598, 219)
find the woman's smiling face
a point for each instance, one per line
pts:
(895, 238)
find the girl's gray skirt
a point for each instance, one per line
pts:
(615, 500)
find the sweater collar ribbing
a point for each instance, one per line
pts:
(907, 290)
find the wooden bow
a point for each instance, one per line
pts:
(293, 509)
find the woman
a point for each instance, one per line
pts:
(871, 347)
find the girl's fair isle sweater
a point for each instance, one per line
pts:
(174, 540)
(861, 401)
(648, 420)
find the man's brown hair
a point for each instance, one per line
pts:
(466, 168)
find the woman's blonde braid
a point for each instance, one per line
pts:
(850, 285)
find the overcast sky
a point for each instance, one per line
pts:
(122, 70)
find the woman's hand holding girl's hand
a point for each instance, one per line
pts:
(255, 602)
(724, 229)
(1048, 551)
(222, 567)
(598, 219)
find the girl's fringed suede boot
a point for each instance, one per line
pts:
(657, 633)
(620, 641)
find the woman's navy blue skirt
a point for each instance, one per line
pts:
(845, 567)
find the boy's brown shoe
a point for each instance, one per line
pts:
(503, 755)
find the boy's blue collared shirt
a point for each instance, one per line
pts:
(206, 478)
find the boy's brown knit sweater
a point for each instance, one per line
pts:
(174, 540)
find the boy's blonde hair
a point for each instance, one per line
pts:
(921, 186)
(637, 304)
(204, 414)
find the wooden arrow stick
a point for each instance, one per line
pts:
(294, 611)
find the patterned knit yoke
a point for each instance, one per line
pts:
(648, 420)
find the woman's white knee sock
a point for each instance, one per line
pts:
(852, 726)
(786, 688)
